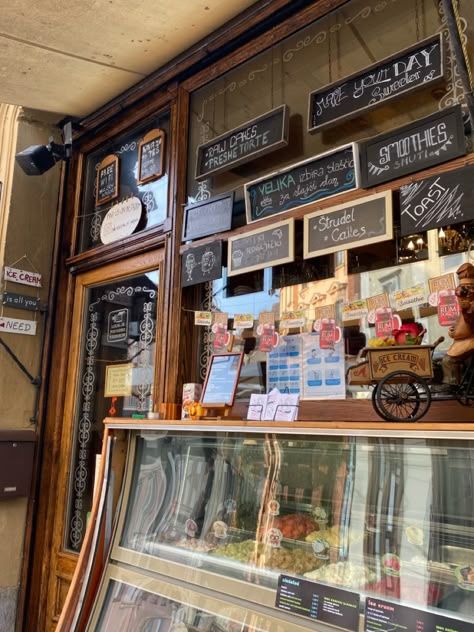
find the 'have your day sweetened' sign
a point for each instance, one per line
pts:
(349, 225)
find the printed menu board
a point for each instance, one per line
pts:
(323, 603)
(385, 616)
(221, 380)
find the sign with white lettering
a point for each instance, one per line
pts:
(106, 187)
(262, 248)
(255, 138)
(201, 264)
(419, 145)
(121, 220)
(438, 201)
(21, 276)
(208, 217)
(306, 182)
(21, 301)
(117, 325)
(359, 223)
(416, 67)
(151, 153)
(17, 326)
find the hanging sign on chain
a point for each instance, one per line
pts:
(17, 326)
(21, 301)
(24, 277)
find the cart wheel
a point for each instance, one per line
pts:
(374, 401)
(402, 396)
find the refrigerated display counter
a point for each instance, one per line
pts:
(296, 527)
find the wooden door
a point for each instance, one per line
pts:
(113, 369)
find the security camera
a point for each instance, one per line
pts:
(38, 159)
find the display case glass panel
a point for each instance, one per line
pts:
(387, 517)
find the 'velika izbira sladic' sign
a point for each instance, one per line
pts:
(438, 201)
(410, 69)
(322, 176)
(251, 140)
(414, 147)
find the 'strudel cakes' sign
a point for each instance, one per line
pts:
(208, 217)
(413, 68)
(352, 225)
(246, 142)
(437, 201)
(303, 183)
(414, 147)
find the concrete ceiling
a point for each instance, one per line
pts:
(71, 57)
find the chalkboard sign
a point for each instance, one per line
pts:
(438, 201)
(262, 248)
(415, 67)
(107, 180)
(386, 616)
(331, 605)
(221, 381)
(200, 264)
(419, 145)
(151, 152)
(350, 225)
(21, 301)
(255, 138)
(208, 217)
(305, 182)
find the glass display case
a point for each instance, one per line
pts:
(382, 514)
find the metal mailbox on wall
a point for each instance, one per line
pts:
(17, 448)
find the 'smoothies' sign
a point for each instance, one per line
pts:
(414, 147)
(418, 66)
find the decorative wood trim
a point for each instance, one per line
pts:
(72, 600)
(177, 364)
(144, 241)
(133, 424)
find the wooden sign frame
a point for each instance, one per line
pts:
(231, 399)
(387, 195)
(111, 159)
(231, 164)
(291, 248)
(150, 137)
(356, 112)
(453, 145)
(192, 208)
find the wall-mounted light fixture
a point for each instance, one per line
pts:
(37, 159)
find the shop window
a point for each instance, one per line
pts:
(395, 272)
(323, 52)
(151, 192)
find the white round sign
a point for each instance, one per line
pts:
(121, 220)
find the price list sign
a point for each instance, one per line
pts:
(385, 616)
(316, 601)
(151, 156)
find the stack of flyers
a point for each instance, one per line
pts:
(275, 406)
